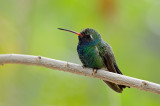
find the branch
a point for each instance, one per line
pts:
(78, 69)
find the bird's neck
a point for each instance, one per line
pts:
(93, 43)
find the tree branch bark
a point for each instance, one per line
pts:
(78, 69)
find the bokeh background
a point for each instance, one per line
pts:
(131, 27)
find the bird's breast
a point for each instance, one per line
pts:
(89, 56)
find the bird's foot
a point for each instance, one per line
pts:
(94, 72)
(67, 64)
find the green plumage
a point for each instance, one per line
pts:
(96, 53)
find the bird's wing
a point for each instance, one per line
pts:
(108, 58)
(109, 61)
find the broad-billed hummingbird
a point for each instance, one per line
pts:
(96, 53)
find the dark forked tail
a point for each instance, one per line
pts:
(114, 68)
(115, 87)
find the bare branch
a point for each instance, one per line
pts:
(78, 69)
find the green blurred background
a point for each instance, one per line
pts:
(132, 28)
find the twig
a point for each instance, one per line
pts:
(78, 69)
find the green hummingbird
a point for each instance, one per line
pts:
(96, 53)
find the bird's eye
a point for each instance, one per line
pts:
(88, 36)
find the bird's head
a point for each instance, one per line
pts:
(86, 35)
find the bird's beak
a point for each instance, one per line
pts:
(79, 34)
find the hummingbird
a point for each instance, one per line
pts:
(95, 53)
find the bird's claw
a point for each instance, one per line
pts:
(67, 64)
(94, 72)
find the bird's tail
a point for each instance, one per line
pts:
(115, 87)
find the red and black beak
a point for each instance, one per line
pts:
(79, 34)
